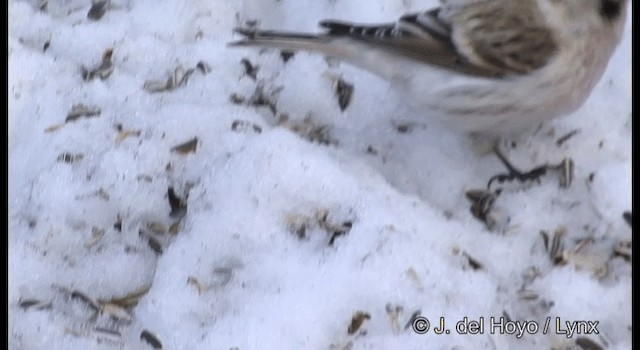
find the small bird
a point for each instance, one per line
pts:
(486, 67)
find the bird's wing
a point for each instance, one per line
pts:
(484, 38)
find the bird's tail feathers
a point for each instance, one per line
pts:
(282, 40)
(331, 44)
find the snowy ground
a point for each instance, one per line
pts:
(298, 216)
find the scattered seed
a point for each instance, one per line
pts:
(203, 67)
(199, 285)
(260, 99)
(356, 321)
(115, 312)
(34, 304)
(178, 79)
(107, 331)
(372, 151)
(96, 234)
(298, 226)
(393, 314)
(592, 260)
(98, 9)
(286, 55)
(335, 230)
(76, 294)
(178, 206)
(103, 71)
(111, 335)
(53, 128)
(186, 147)
(310, 130)
(131, 299)
(623, 250)
(583, 243)
(339, 231)
(587, 343)
(249, 69)
(566, 137)
(244, 126)
(321, 216)
(151, 339)
(555, 247)
(566, 169)
(123, 134)
(299, 229)
(344, 92)
(482, 206)
(80, 110)
(155, 244)
(474, 263)
(70, 158)
(545, 239)
(118, 224)
(236, 99)
(154, 86)
(403, 128)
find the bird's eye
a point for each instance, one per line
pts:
(610, 9)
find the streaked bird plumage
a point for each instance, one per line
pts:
(487, 67)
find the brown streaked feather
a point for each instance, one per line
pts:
(405, 40)
(509, 36)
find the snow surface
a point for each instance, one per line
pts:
(254, 263)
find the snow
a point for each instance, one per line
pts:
(256, 262)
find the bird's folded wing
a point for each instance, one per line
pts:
(482, 40)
